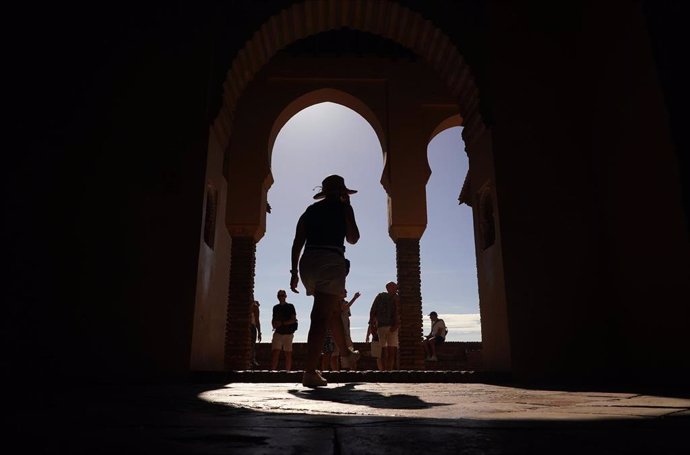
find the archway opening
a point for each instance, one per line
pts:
(323, 139)
(447, 249)
(455, 87)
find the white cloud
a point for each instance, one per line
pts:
(461, 326)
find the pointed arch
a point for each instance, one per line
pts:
(321, 96)
(450, 122)
(385, 18)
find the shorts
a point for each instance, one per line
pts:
(438, 340)
(323, 271)
(388, 338)
(282, 342)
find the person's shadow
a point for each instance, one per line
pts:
(348, 394)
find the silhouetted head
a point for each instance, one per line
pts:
(282, 295)
(392, 287)
(333, 185)
(433, 315)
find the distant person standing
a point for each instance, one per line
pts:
(345, 314)
(437, 335)
(284, 323)
(385, 310)
(321, 231)
(255, 327)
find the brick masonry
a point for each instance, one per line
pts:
(240, 295)
(410, 353)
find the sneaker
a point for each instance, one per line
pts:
(433, 358)
(313, 379)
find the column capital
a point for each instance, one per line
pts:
(399, 231)
(253, 231)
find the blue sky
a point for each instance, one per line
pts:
(331, 139)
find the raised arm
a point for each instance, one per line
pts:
(354, 297)
(351, 229)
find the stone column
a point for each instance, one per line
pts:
(410, 353)
(240, 295)
(245, 218)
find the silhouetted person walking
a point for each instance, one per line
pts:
(321, 231)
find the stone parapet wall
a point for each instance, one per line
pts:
(453, 356)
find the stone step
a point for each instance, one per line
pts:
(395, 376)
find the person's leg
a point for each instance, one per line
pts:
(276, 347)
(320, 319)
(336, 325)
(432, 347)
(376, 352)
(391, 355)
(334, 363)
(287, 349)
(288, 360)
(425, 344)
(383, 333)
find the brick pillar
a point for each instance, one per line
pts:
(410, 353)
(240, 295)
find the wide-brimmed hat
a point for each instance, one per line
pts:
(333, 184)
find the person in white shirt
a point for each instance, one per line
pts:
(436, 336)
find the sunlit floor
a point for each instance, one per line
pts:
(444, 401)
(346, 418)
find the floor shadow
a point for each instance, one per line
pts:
(349, 394)
(172, 419)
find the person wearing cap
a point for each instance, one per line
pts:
(321, 231)
(436, 336)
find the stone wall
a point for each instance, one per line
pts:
(453, 355)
